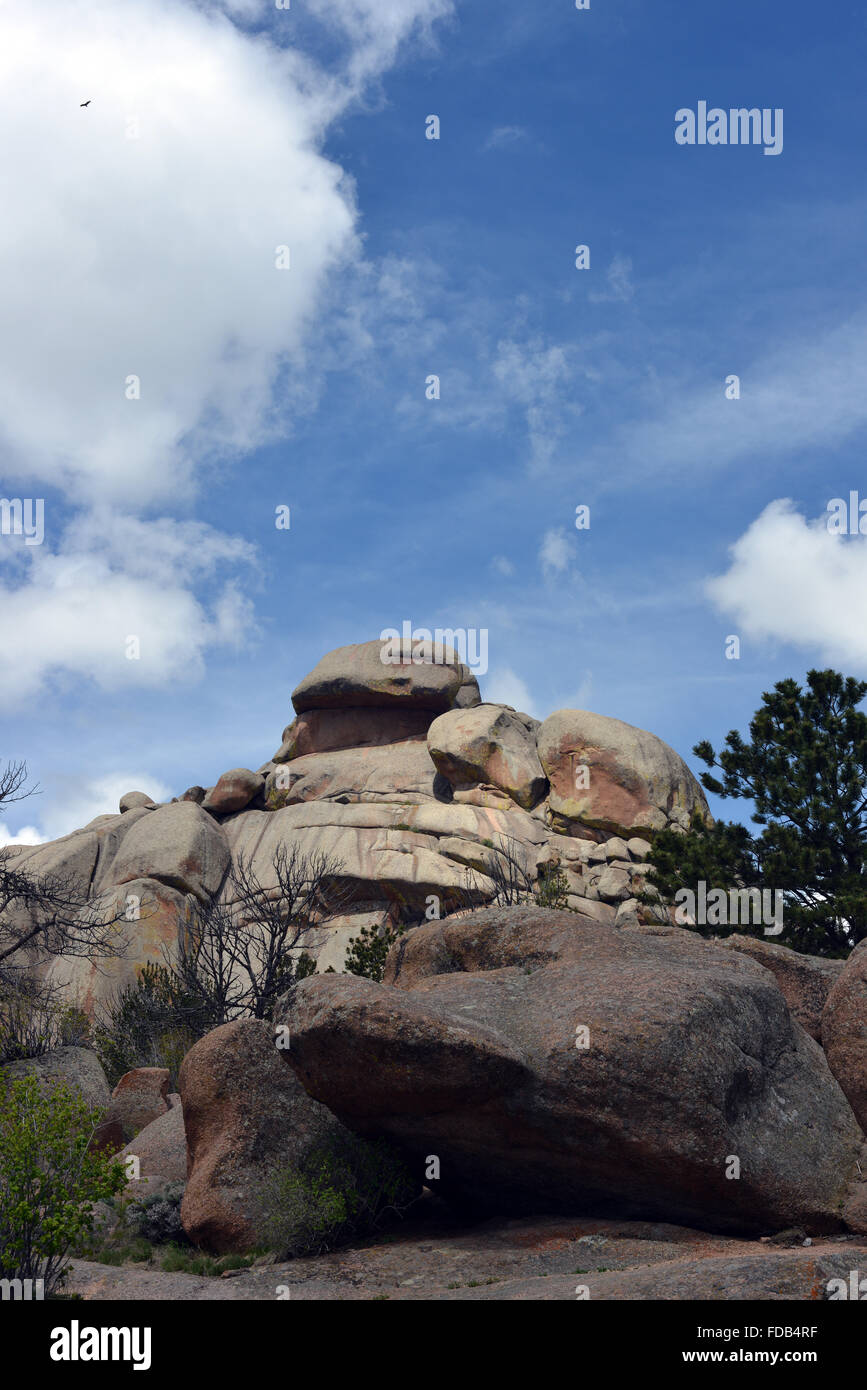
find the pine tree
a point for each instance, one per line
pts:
(805, 769)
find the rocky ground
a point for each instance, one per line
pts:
(542, 1259)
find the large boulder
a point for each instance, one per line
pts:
(72, 858)
(181, 845)
(844, 1031)
(233, 791)
(363, 675)
(130, 801)
(138, 1098)
(490, 744)
(613, 777)
(76, 1067)
(805, 981)
(245, 1115)
(398, 853)
(79, 1069)
(394, 772)
(324, 730)
(161, 1147)
(693, 1070)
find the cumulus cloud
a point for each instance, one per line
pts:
(114, 578)
(153, 256)
(791, 580)
(76, 803)
(28, 835)
(166, 253)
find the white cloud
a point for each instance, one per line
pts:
(114, 577)
(792, 581)
(154, 257)
(28, 835)
(504, 687)
(74, 804)
(555, 553)
(377, 28)
(503, 565)
(620, 286)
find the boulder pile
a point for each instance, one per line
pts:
(406, 777)
(594, 1058)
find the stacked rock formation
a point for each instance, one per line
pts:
(402, 774)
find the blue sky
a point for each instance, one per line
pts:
(144, 242)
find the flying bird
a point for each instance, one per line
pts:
(86, 103)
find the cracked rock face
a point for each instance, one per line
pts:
(552, 1062)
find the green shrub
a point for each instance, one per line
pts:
(342, 1190)
(553, 887)
(157, 1217)
(152, 1023)
(367, 954)
(48, 1179)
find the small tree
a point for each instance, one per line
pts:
(553, 887)
(368, 952)
(233, 961)
(242, 958)
(512, 883)
(151, 1023)
(49, 1179)
(805, 769)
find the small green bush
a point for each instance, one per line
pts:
(367, 954)
(553, 887)
(342, 1190)
(152, 1023)
(157, 1217)
(48, 1179)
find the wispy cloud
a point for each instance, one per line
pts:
(619, 279)
(504, 135)
(556, 553)
(810, 393)
(536, 376)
